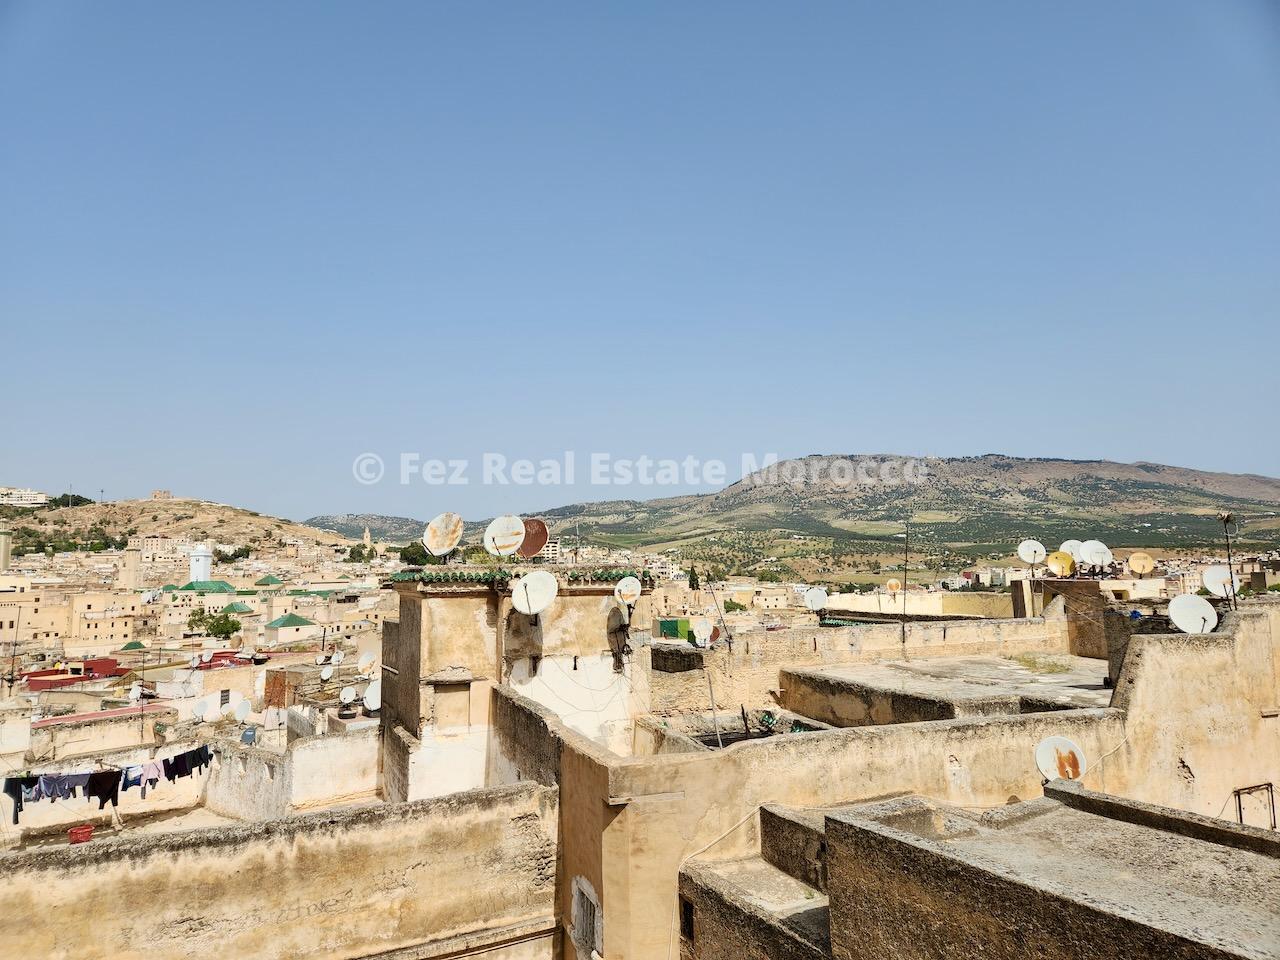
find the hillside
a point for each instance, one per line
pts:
(198, 519)
(383, 529)
(962, 503)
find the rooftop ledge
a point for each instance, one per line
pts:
(500, 576)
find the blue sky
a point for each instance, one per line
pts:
(243, 243)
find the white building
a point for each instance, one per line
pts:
(22, 497)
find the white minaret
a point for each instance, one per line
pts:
(201, 562)
(131, 571)
(6, 547)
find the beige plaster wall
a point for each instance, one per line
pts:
(473, 871)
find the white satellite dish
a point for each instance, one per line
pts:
(1072, 549)
(199, 709)
(135, 692)
(1192, 614)
(1219, 581)
(701, 629)
(815, 598)
(320, 659)
(504, 535)
(1058, 758)
(206, 657)
(534, 592)
(326, 673)
(1095, 553)
(628, 590)
(373, 696)
(338, 657)
(1032, 551)
(195, 662)
(442, 534)
(244, 653)
(347, 695)
(365, 662)
(242, 710)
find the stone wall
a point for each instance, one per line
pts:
(471, 874)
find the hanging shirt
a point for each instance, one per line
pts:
(132, 777)
(104, 785)
(18, 789)
(152, 771)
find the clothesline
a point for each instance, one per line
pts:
(103, 785)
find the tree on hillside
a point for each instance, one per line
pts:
(693, 577)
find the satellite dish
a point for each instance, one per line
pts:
(1072, 549)
(206, 657)
(535, 538)
(1141, 563)
(199, 709)
(893, 584)
(1192, 614)
(504, 535)
(325, 674)
(1095, 553)
(320, 659)
(195, 662)
(628, 590)
(135, 692)
(373, 696)
(244, 653)
(701, 629)
(242, 710)
(815, 598)
(347, 695)
(1060, 563)
(442, 534)
(1058, 758)
(1216, 579)
(365, 662)
(338, 657)
(534, 592)
(1031, 551)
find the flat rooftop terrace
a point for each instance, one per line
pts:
(1176, 880)
(945, 687)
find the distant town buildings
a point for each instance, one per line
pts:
(22, 497)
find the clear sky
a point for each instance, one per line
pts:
(243, 243)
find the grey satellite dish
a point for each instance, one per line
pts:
(702, 629)
(504, 535)
(195, 662)
(373, 696)
(365, 662)
(628, 590)
(1219, 581)
(326, 673)
(1095, 553)
(242, 710)
(1058, 758)
(534, 592)
(338, 657)
(1072, 549)
(347, 695)
(442, 534)
(320, 659)
(1192, 614)
(1032, 552)
(815, 598)
(206, 657)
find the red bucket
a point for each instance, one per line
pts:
(81, 834)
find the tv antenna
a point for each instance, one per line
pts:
(1228, 521)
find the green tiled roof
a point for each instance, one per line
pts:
(289, 620)
(237, 607)
(134, 645)
(270, 580)
(208, 586)
(169, 587)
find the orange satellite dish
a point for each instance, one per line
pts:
(1061, 563)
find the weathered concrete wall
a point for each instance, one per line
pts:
(747, 673)
(1202, 716)
(921, 604)
(252, 783)
(844, 702)
(472, 871)
(93, 735)
(586, 693)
